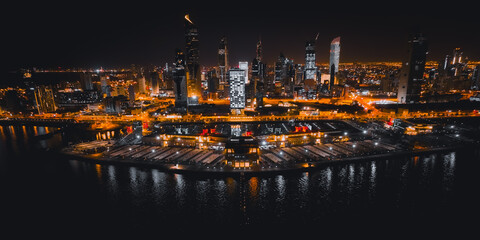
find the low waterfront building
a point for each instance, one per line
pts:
(241, 152)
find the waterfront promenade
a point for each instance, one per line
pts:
(271, 160)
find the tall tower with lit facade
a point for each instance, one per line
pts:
(192, 60)
(237, 90)
(258, 67)
(411, 74)
(87, 81)
(334, 59)
(476, 78)
(258, 75)
(310, 67)
(180, 82)
(154, 82)
(142, 88)
(259, 55)
(244, 67)
(223, 60)
(104, 84)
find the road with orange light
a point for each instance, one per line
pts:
(371, 113)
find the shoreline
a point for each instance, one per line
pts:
(298, 167)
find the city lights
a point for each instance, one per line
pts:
(237, 117)
(245, 115)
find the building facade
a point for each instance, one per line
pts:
(334, 59)
(192, 61)
(223, 60)
(180, 81)
(411, 73)
(237, 90)
(310, 66)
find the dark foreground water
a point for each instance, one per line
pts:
(43, 193)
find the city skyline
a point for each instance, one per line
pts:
(213, 117)
(104, 37)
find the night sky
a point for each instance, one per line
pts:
(91, 34)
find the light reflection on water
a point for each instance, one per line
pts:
(396, 185)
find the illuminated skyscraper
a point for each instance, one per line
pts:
(335, 53)
(223, 60)
(284, 76)
(257, 87)
(192, 59)
(334, 59)
(237, 90)
(154, 82)
(258, 67)
(447, 62)
(180, 82)
(310, 67)
(458, 62)
(131, 95)
(457, 56)
(259, 54)
(87, 81)
(104, 84)
(476, 78)
(411, 74)
(141, 85)
(244, 66)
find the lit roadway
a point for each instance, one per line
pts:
(145, 116)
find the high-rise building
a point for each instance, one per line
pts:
(212, 85)
(237, 90)
(259, 55)
(334, 59)
(142, 88)
(44, 100)
(131, 95)
(167, 78)
(223, 60)
(114, 105)
(244, 66)
(310, 67)
(257, 87)
(104, 84)
(413, 67)
(284, 76)
(192, 60)
(458, 62)
(457, 56)
(476, 78)
(447, 62)
(86, 78)
(180, 82)
(335, 53)
(154, 82)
